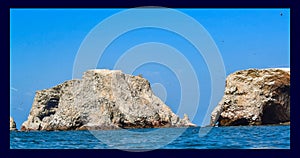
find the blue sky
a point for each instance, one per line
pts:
(44, 44)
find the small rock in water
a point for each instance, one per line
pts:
(12, 125)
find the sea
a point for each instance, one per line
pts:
(233, 137)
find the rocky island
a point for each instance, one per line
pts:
(110, 99)
(102, 99)
(12, 125)
(254, 97)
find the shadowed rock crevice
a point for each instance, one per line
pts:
(52, 103)
(273, 114)
(49, 109)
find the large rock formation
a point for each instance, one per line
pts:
(103, 99)
(12, 125)
(254, 97)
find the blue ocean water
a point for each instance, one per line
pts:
(235, 137)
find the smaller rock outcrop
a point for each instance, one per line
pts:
(12, 125)
(254, 97)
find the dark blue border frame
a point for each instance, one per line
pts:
(5, 58)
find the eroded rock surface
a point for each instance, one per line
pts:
(102, 99)
(12, 125)
(254, 97)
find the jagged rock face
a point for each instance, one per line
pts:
(103, 99)
(254, 97)
(12, 125)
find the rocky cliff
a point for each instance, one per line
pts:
(12, 125)
(102, 99)
(254, 97)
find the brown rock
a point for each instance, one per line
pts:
(12, 125)
(254, 97)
